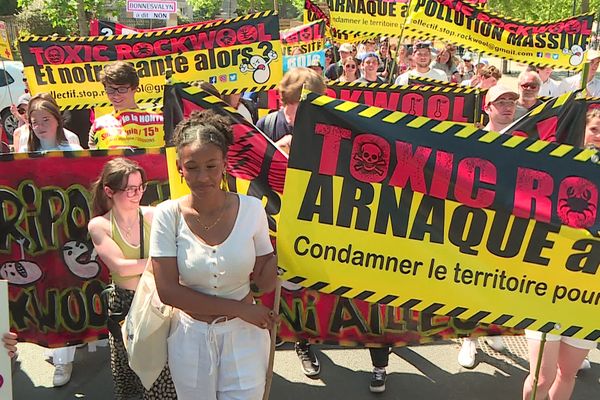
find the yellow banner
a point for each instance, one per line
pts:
(129, 128)
(5, 51)
(367, 17)
(443, 218)
(559, 44)
(243, 53)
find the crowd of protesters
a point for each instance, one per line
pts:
(208, 220)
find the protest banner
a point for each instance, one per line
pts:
(458, 104)
(312, 12)
(441, 217)
(238, 54)
(306, 314)
(309, 39)
(558, 119)
(5, 51)
(559, 44)
(54, 273)
(134, 128)
(5, 367)
(368, 17)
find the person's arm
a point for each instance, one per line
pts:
(10, 343)
(110, 253)
(264, 273)
(163, 252)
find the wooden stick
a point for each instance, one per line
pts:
(269, 379)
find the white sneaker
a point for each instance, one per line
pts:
(496, 343)
(585, 364)
(466, 355)
(62, 374)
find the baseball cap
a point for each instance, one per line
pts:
(592, 54)
(364, 56)
(483, 61)
(346, 47)
(23, 99)
(496, 91)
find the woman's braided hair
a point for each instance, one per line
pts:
(204, 127)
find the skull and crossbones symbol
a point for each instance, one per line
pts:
(369, 159)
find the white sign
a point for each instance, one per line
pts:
(5, 372)
(150, 15)
(150, 6)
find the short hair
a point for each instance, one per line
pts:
(489, 70)
(119, 73)
(534, 74)
(44, 102)
(290, 87)
(204, 127)
(591, 114)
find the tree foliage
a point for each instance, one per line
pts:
(287, 8)
(542, 10)
(205, 9)
(69, 16)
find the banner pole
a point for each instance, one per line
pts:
(393, 75)
(269, 378)
(584, 76)
(538, 366)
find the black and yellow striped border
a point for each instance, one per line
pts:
(421, 88)
(123, 152)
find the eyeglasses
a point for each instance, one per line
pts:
(131, 191)
(504, 103)
(21, 111)
(529, 86)
(352, 66)
(120, 89)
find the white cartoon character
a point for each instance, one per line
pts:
(20, 272)
(81, 260)
(259, 66)
(577, 54)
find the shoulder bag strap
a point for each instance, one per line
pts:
(141, 234)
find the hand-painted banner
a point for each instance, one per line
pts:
(559, 44)
(330, 319)
(306, 314)
(441, 217)
(368, 17)
(459, 104)
(5, 51)
(309, 39)
(239, 54)
(54, 273)
(135, 128)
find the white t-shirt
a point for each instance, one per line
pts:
(413, 73)
(573, 83)
(72, 138)
(549, 88)
(222, 270)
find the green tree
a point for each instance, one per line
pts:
(8, 7)
(542, 10)
(287, 8)
(205, 9)
(72, 16)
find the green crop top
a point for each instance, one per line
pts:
(129, 251)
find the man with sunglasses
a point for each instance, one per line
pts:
(422, 69)
(127, 125)
(529, 89)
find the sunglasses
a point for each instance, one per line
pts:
(328, 55)
(120, 89)
(131, 191)
(352, 66)
(22, 111)
(529, 86)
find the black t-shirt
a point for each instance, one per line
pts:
(281, 126)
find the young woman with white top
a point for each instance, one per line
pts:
(205, 248)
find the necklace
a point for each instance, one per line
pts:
(209, 227)
(126, 229)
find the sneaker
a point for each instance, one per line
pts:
(496, 343)
(62, 374)
(308, 359)
(585, 364)
(378, 380)
(466, 355)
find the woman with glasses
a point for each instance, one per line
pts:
(120, 231)
(350, 71)
(328, 58)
